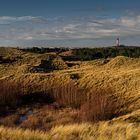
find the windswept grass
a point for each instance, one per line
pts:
(85, 105)
(19, 134)
(75, 91)
(99, 131)
(121, 73)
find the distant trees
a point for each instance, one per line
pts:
(44, 50)
(91, 53)
(98, 53)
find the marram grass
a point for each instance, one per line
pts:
(99, 131)
(120, 73)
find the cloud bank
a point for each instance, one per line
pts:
(74, 31)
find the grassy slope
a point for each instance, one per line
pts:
(100, 131)
(121, 73)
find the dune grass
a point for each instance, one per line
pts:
(18, 134)
(122, 74)
(99, 131)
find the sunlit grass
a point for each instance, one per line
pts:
(122, 74)
(99, 131)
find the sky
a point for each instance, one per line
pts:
(69, 23)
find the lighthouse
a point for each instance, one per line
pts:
(117, 42)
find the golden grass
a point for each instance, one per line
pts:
(8, 51)
(18, 134)
(59, 64)
(130, 117)
(122, 74)
(99, 131)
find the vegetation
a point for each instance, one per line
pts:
(52, 95)
(10, 93)
(99, 106)
(91, 105)
(6, 60)
(100, 131)
(90, 53)
(98, 53)
(45, 50)
(50, 64)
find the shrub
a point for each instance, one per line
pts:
(92, 106)
(67, 95)
(100, 105)
(10, 93)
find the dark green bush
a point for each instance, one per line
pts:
(106, 52)
(45, 50)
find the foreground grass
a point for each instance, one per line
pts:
(99, 131)
(18, 134)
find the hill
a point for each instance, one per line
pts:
(49, 92)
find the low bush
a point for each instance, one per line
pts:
(67, 95)
(92, 105)
(10, 93)
(100, 105)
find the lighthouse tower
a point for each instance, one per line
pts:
(117, 42)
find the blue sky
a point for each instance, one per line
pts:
(69, 23)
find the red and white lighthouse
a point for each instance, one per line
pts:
(117, 42)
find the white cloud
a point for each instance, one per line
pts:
(10, 20)
(41, 28)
